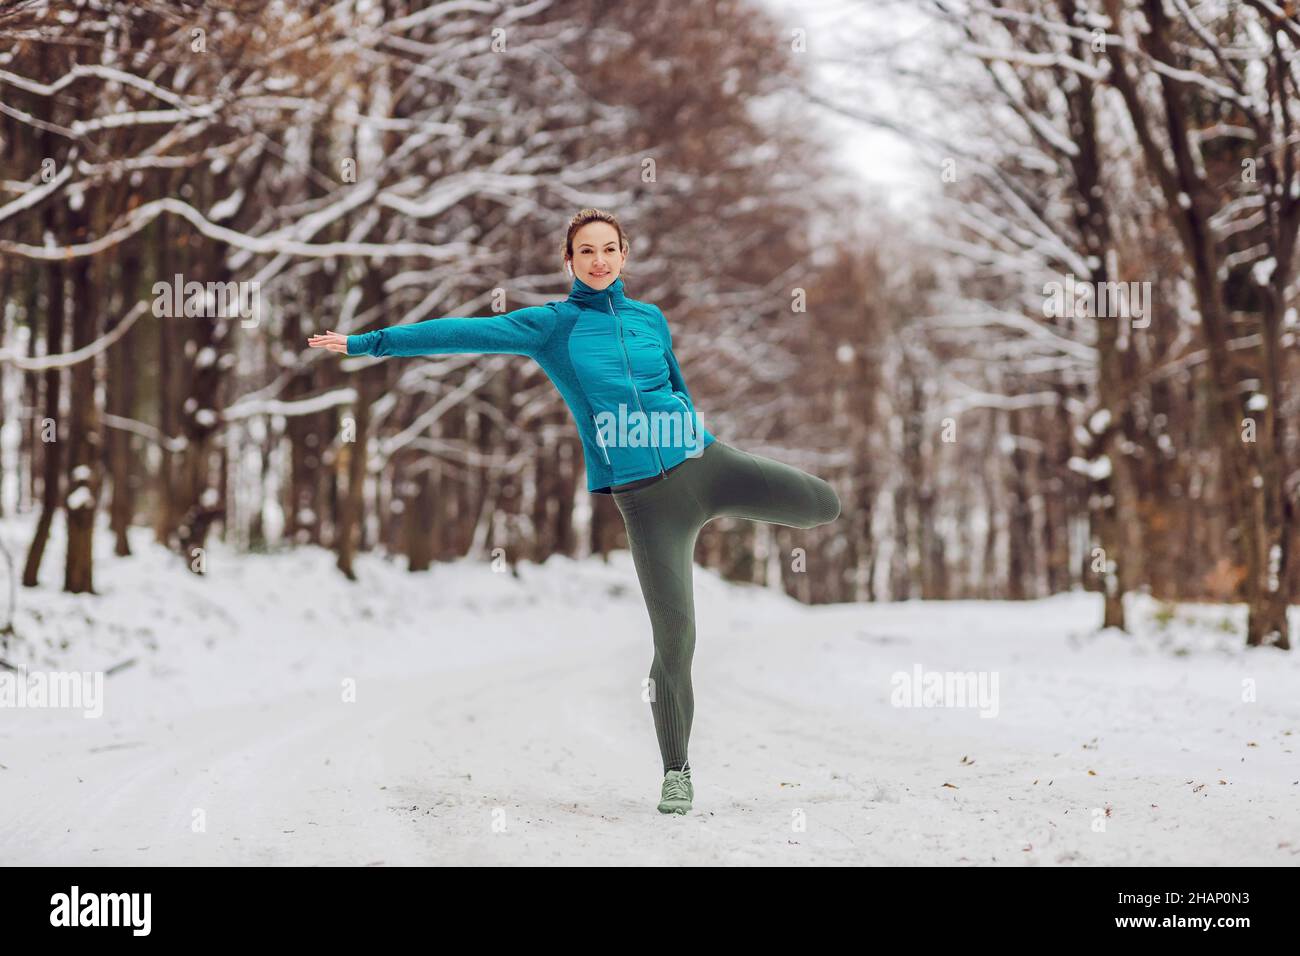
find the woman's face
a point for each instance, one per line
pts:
(597, 256)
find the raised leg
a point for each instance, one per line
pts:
(740, 485)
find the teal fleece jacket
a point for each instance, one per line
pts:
(611, 357)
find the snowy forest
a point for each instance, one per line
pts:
(1070, 364)
(1018, 279)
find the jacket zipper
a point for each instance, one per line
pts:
(627, 365)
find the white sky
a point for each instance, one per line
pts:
(858, 33)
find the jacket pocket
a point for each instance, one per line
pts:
(690, 420)
(599, 440)
(645, 356)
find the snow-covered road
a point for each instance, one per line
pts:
(500, 720)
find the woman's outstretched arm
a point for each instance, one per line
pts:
(521, 332)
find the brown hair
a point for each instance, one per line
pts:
(594, 215)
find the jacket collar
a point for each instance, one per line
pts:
(586, 295)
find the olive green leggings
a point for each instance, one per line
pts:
(663, 520)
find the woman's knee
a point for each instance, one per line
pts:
(826, 504)
(674, 644)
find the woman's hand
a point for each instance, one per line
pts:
(333, 341)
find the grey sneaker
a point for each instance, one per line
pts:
(678, 791)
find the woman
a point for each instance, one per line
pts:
(612, 360)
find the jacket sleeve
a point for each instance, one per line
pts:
(674, 370)
(521, 332)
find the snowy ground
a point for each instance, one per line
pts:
(500, 720)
